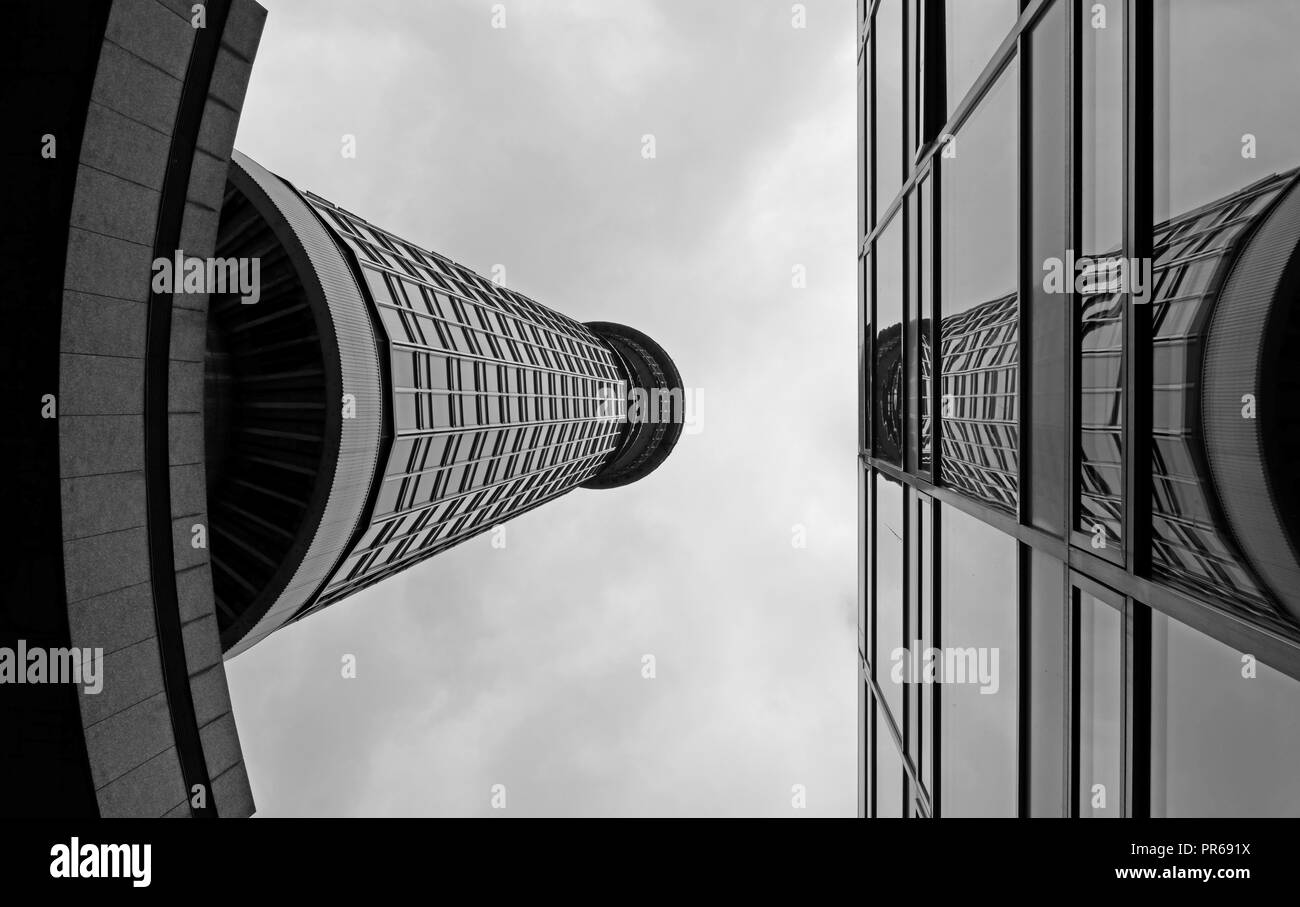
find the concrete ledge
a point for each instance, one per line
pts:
(134, 88)
(105, 563)
(230, 79)
(197, 302)
(152, 32)
(131, 675)
(126, 145)
(91, 445)
(107, 266)
(93, 505)
(183, 550)
(101, 325)
(185, 444)
(207, 180)
(220, 744)
(194, 592)
(189, 492)
(100, 385)
(233, 793)
(202, 644)
(149, 790)
(120, 145)
(109, 204)
(211, 694)
(199, 230)
(217, 132)
(128, 739)
(114, 619)
(189, 330)
(244, 28)
(185, 387)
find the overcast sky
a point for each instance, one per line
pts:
(522, 666)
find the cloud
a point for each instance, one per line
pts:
(522, 666)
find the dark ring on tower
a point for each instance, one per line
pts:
(1253, 348)
(656, 406)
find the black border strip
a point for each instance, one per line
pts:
(157, 428)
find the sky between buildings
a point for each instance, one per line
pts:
(522, 147)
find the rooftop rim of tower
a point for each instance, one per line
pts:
(647, 442)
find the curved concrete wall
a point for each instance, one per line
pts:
(146, 73)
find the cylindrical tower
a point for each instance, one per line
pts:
(379, 403)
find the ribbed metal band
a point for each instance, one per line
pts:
(353, 371)
(1244, 341)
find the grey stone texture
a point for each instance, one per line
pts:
(123, 159)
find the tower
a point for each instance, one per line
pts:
(238, 403)
(376, 403)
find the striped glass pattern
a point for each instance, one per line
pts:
(499, 404)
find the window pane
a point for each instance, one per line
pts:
(1220, 127)
(1101, 418)
(1225, 148)
(888, 380)
(865, 405)
(1049, 318)
(920, 311)
(864, 746)
(1048, 690)
(864, 173)
(1101, 324)
(1222, 743)
(864, 560)
(889, 587)
(888, 40)
(1100, 708)
(977, 610)
(1102, 133)
(889, 772)
(979, 331)
(925, 306)
(973, 30)
(920, 635)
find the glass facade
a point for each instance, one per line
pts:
(1056, 619)
(499, 404)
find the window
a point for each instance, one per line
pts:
(890, 783)
(1225, 729)
(1047, 679)
(1220, 127)
(919, 635)
(1102, 127)
(1100, 404)
(866, 407)
(1048, 233)
(403, 368)
(918, 346)
(888, 41)
(1099, 707)
(864, 555)
(1100, 327)
(973, 31)
(888, 381)
(978, 639)
(889, 588)
(979, 332)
